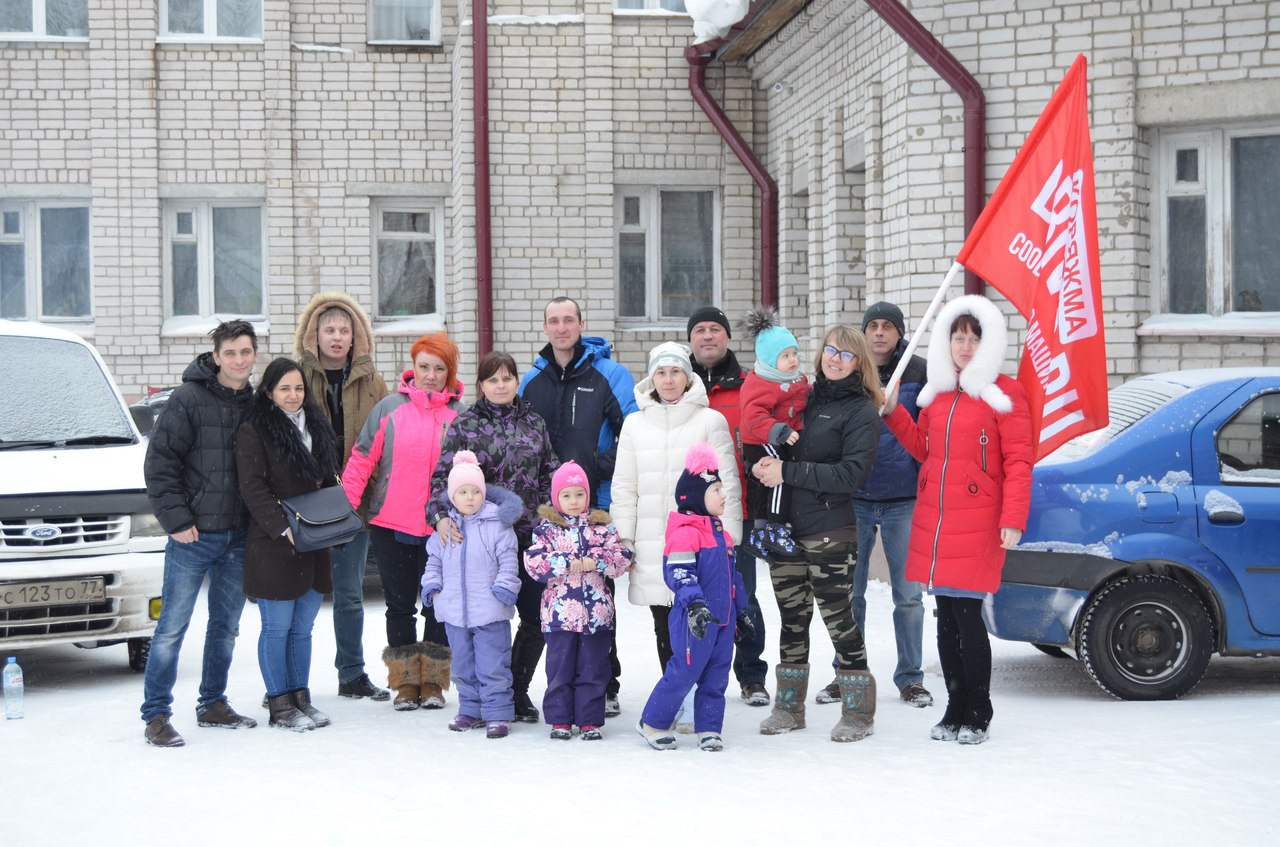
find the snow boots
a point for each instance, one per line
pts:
(658, 739)
(302, 699)
(857, 706)
(285, 714)
(974, 728)
(434, 659)
(788, 704)
(404, 675)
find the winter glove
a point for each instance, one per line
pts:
(746, 628)
(699, 618)
(429, 593)
(504, 595)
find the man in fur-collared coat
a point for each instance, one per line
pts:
(334, 345)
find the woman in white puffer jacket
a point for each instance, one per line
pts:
(673, 416)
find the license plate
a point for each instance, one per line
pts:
(63, 592)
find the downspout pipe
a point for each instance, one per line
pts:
(919, 39)
(699, 56)
(484, 223)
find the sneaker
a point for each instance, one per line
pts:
(561, 732)
(496, 729)
(972, 735)
(755, 694)
(220, 714)
(710, 742)
(612, 707)
(462, 723)
(590, 733)
(526, 712)
(160, 733)
(830, 694)
(658, 739)
(362, 686)
(915, 694)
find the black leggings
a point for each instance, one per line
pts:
(400, 568)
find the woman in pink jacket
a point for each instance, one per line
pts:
(400, 446)
(973, 439)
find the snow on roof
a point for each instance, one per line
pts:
(33, 329)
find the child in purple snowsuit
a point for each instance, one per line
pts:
(574, 549)
(698, 565)
(472, 584)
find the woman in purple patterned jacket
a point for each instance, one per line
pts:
(511, 443)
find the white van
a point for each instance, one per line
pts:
(81, 555)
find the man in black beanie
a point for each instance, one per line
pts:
(717, 367)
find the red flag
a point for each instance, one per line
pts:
(1036, 242)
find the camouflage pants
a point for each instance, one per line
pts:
(824, 576)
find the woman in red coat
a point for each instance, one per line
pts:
(973, 439)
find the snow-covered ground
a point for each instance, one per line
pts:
(1066, 763)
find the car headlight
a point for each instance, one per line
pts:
(145, 525)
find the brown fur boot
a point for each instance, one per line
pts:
(788, 705)
(404, 675)
(435, 659)
(857, 706)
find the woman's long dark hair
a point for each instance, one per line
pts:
(321, 461)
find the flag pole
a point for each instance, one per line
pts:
(905, 359)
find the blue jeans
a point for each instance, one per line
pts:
(349, 562)
(284, 646)
(894, 520)
(220, 556)
(748, 666)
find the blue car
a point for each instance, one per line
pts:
(1155, 543)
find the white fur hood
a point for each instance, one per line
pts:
(978, 379)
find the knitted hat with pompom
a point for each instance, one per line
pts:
(466, 471)
(701, 471)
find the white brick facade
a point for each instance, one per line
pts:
(863, 138)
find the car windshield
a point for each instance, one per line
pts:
(55, 391)
(1129, 403)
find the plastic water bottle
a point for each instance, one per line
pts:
(12, 690)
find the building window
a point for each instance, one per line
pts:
(214, 259)
(408, 259)
(1217, 204)
(44, 19)
(667, 252)
(404, 21)
(206, 20)
(44, 261)
(665, 5)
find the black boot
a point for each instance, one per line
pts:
(525, 653)
(302, 699)
(286, 715)
(949, 654)
(977, 690)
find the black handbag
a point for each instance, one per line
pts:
(321, 518)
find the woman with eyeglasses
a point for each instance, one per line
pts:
(973, 440)
(831, 461)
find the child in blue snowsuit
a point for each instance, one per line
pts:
(698, 565)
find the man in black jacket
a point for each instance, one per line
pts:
(191, 481)
(583, 395)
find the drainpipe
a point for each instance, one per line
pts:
(480, 119)
(699, 56)
(962, 82)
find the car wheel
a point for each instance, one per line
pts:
(1052, 650)
(139, 650)
(1146, 637)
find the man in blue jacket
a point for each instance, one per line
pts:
(583, 396)
(886, 500)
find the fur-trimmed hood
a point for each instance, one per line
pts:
(304, 340)
(320, 463)
(978, 379)
(596, 517)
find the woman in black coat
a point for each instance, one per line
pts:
(837, 448)
(285, 447)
